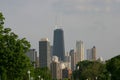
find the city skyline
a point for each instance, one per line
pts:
(95, 22)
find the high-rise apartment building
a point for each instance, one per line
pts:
(44, 53)
(67, 60)
(91, 54)
(58, 44)
(56, 70)
(32, 54)
(79, 51)
(73, 59)
(94, 52)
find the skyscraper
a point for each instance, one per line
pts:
(67, 60)
(94, 52)
(58, 44)
(44, 53)
(79, 51)
(32, 54)
(56, 70)
(73, 59)
(91, 54)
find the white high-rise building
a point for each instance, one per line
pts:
(79, 51)
(67, 61)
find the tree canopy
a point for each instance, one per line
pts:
(43, 73)
(13, 61)
(90, 70)
(94, 70)
(113, 66)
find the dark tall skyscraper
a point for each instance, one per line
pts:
(44, 53)
(58, 44)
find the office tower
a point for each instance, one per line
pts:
(73, 59)
(56, 69)
(32, 54)
(67, 61)
(91, 54)
(44, 53)
(79, 51)
(58, 44)
(94, 52)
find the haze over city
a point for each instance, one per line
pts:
(95, 22)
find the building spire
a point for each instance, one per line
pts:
(57, 22)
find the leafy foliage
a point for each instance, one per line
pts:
(113, 66)
(43, 73)
(90, 70)
(13, 61)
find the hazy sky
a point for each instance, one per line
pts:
(95, 22)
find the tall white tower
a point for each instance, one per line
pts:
(79, 51)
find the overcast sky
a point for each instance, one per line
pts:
(95, 22)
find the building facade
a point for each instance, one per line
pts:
(91, 54)
(56, 70)
(32, 54)
(58, 44)
(73, 59)
(67, 60)
(79, 51)
(44, 53)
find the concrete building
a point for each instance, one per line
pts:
(56, 69)
(79, 51)
(73, 59)
(67, 60)
(91, 54)
(44, 53)
(37, 62)
(32, 54)
(100, 59)
(58, 44)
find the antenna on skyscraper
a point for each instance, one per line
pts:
(57, 22)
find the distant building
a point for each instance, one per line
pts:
(91, 54)
(100, 59)
(56, 69)
(67, 61)
(79, 51)
(73, 59)
(37, 62)
(51, 52)
(32, 54)
(66, 73)
(58, 44)
(44, 53)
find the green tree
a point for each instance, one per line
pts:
(43, 73)
(113, 66)
(91, 70)
(14, 64)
